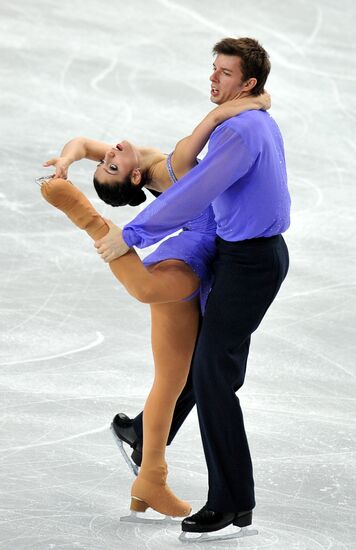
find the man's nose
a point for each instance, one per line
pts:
(214, 77)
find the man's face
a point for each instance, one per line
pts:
(226, 80)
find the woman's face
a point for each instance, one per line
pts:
(118, 163)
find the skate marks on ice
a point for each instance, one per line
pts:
(96, 342)
(275, 536)
(266, 535)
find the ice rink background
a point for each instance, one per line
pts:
(75, 347)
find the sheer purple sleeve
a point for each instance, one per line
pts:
(226, 161)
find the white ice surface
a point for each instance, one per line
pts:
(75, 347)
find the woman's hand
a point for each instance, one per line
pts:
(61, 163)
(263, 100)
(236, 106)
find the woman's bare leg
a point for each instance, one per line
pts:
(156, 285)
(174, 332)
(164, 282)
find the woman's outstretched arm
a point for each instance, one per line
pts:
(188, 148)
(77, 149)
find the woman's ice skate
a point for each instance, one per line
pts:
(150, 490)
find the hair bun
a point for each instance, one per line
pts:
(138, 198)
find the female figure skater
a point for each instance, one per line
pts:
(169, 279)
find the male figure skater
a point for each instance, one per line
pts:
(243, 175)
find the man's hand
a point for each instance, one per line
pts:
(111, 246)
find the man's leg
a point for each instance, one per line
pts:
(247, 279)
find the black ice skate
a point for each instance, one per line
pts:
(123, 432)
(206, 521)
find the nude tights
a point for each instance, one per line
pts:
(150, 488)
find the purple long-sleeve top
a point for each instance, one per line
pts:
(243, 175)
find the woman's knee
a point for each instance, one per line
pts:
(142, 294)
(170, 385)
(151, 291)
(145, 291)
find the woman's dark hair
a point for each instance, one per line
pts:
(121, 193)
(255, 61)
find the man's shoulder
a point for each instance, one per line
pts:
(248, 120)
(240, 124)
(251, 124)
(256, 129)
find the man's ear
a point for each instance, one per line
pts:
(136, 176)
(249, 84)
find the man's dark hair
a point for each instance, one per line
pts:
(255, 61)
(121, 193)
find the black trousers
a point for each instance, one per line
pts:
(247, 277)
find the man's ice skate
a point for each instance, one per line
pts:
(199, 526)
(123, 432)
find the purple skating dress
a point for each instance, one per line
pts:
(194, 245)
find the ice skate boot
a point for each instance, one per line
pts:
(124, 432)
(150, 490)
(67, 197)
(206, 521)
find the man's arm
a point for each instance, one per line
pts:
(227, 161)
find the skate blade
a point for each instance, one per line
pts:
(137, 517)
(187, 537)
(40, 181)
(133, 467)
